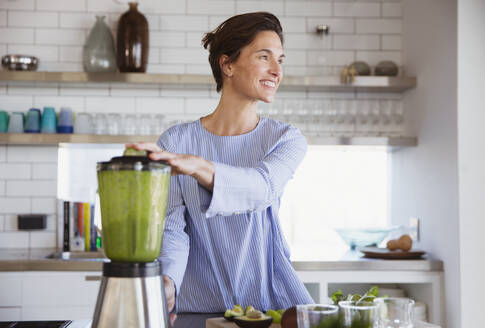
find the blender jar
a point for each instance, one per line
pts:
(133, 193)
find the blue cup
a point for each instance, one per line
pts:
(3, 121)
(32, 123)
(65, 121)
(48, 122)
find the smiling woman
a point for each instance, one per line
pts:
(222, 243)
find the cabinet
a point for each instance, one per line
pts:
(48, 295)
(423, 286)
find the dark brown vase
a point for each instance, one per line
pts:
(132, 41)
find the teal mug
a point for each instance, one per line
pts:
(3, 121)
(48, 123)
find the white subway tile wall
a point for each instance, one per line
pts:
(55, 32)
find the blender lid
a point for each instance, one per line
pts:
(133, 163)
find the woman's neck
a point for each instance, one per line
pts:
(232, 116)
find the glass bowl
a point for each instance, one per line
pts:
(359, 237)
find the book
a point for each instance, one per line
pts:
(65, 244)
(87, 226)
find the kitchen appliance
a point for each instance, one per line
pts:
(133, 192)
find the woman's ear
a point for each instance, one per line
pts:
(225, 65)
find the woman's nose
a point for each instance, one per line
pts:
(275, 68)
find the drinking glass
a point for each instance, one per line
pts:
(100, 123)
(128, 125)
(317, 316)
(16, 123)
(397, 116)
(159, 124)
(374, 117)
(395, 312)
(301, 115)
(362, 117)
(144, 124)
(386, 112)
(330, 117)
(316, 117)
(83, 124)
(289, 110)
(366, 314)
(275, 109)
(350, 116)
(114, 123)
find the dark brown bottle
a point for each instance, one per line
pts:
(132, 41)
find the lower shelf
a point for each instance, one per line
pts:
(56, 139)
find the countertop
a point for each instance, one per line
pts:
(35, 260)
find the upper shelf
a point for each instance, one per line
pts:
(56, 139)
(318, 83)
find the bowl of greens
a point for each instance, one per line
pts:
(317, 316)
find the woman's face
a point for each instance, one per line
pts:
(257, 72)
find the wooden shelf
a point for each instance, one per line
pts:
(364, 141)
(55, 139)
(317, 83)
(59, 139)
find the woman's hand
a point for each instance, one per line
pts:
(195, 166)
(169, 286)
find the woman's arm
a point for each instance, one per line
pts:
(240, 189)
(253, 189)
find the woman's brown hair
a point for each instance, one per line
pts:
(234, 34)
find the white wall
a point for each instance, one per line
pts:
(55, 31)
(471, 145)
(425, 178)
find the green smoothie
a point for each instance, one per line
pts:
(133, 206)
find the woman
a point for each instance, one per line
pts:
(222, 243)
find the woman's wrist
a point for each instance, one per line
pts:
(204, 173)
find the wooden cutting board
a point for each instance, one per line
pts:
(223, 323)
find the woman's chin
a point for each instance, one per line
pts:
(267, 99)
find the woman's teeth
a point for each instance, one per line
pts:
(269, 83)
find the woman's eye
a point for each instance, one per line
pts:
(263, 57)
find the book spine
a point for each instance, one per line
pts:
(80, 216)
(72, 224)
(87, 226)
(65, 245)
(94, 233)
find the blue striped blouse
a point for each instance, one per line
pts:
(226, 247)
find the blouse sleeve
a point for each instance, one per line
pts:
(175, 241)
(246, 189)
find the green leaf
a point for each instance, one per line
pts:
(374, 291)
(337, 297)
(354, 298)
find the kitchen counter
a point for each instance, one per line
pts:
(35, 260)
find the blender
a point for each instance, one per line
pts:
(133, 192)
